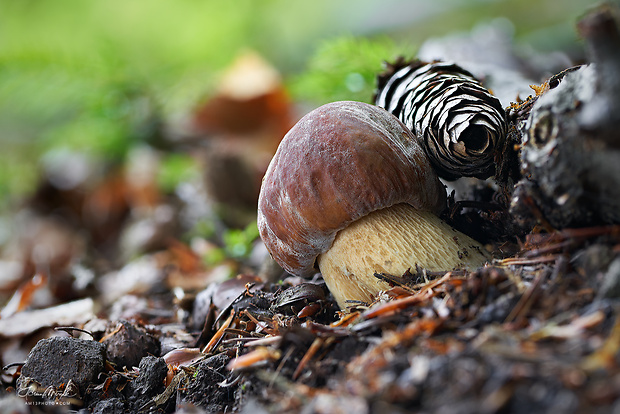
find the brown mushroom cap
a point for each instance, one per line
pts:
(339, 163)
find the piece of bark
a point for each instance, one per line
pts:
(571, 145)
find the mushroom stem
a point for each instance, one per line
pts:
(391, 241)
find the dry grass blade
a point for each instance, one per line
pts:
(526, 301)
(312, 350)
(424, 294)
(215, 340)
(512, 261)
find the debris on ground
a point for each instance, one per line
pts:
(197, 317)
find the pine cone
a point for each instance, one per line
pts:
(458, 122)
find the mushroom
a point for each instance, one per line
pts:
(351, 190)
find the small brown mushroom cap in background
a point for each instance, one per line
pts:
(338, 164)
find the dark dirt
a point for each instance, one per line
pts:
(55, 361)
(127, 344)
(148, 384)
(211, 386)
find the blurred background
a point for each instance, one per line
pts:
(129, 126)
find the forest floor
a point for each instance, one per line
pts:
(111, 307)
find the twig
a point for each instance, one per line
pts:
(522, 261)
(312, 350)
(527, 300)
(215, 340)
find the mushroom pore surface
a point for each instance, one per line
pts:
(339, 163)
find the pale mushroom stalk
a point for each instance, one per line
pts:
(351, 189)
(391, 241)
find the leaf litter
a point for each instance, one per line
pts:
(162, 330)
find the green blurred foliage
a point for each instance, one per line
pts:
(104, 76)
(346, 68)
(101, 77)
(176, 169)
(237, 244)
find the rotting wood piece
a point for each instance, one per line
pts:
(570, 155)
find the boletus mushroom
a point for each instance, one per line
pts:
(350, 190)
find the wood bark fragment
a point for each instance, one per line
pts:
(570, 155)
